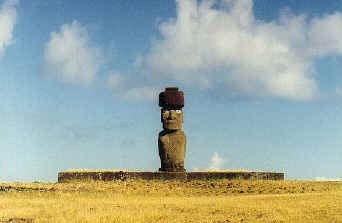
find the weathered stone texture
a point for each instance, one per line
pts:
(172, 140)
(171, 146)
(127, 175)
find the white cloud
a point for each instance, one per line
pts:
(326, 35)
(220, 43)
(216, 162)
(338, 91)
(141, 94)
(114, 80)
(327, 179)
(69, 56)
(8, 19)
(130, 89)
(195, 169)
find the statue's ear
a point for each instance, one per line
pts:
(182, 115)
(161, 115)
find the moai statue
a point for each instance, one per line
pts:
(172, 140)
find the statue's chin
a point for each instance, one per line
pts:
(172, 127)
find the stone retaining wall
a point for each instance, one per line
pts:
(127, 175)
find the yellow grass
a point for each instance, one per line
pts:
(174, 201)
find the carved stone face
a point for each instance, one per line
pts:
(172, 119)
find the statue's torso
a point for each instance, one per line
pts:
(171, 146)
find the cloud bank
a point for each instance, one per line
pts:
(8, 19)
(327, 179)
(115, 80)
(69, 56)
(130, 87)
(141, 94)
(220, 44)
(217, 45)
(216, 162)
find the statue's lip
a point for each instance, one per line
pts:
(170, 121)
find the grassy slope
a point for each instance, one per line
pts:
(174, 201)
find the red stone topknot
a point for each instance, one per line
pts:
(171, 98)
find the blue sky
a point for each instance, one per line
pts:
(80, 79)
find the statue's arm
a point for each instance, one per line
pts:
(159, 146)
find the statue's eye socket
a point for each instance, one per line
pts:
(165, 113)
(178, 111)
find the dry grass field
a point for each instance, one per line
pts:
(174, 201)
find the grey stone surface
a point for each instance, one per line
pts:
(161, 175)
(172, 140)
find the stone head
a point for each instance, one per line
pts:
(172, 119)
(172, 101)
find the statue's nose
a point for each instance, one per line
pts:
(172, 114)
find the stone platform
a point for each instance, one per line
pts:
(131, 175)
